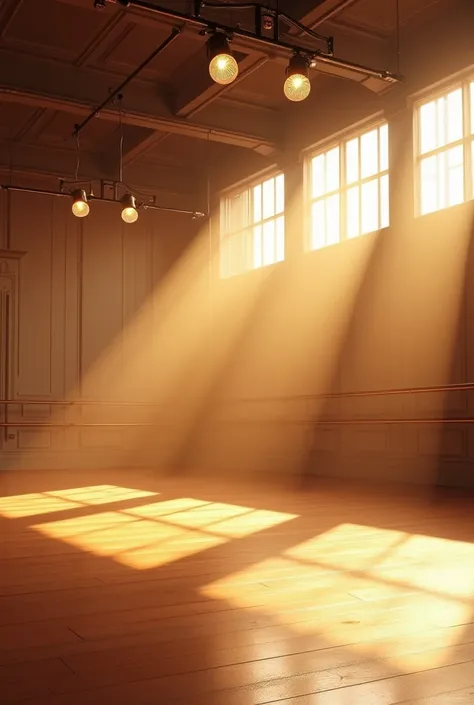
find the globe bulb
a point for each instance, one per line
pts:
(129, 215)
(80, 207)
(129, 210)
(223, 68)
(297, 86)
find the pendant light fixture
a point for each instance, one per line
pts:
(129, 208)
(223, 68)
(297, 85)
(80, 206)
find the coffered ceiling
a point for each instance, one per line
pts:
(61, 58)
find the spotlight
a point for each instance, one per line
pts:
(129, 210)
(80, 207)
(223, 68)
(297, 85)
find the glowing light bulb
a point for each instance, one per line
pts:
(80, 207)
(129, 215)
(223, 68)
(129, 210)
(297, 86)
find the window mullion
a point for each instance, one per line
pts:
(359, 174)
(342, 192)
(467, 151)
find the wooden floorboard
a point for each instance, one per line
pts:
(125, 588)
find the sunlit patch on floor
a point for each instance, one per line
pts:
(25, 505)
(374, 595)
(162, 532)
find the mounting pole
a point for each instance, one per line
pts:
(174, 33)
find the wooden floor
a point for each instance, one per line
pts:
(126, 589)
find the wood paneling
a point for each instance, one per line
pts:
(75, 292)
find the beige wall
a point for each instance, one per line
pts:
(74, 287)
(390, 310)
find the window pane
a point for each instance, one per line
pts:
(238, 213)
(268, 198)
(280, 239)
(383, 146)
(454, 115)
(369, 154)
(455, 176)
(257, 203)
(370, 207)
(441, 112)
(318, 225)
(441, 173)
(352, 206)
(269, 242)
(257, 246)
(317, 176)
(428, 185)
(332, 220)
(352, 161)
(472, 168)
(472, 108)
(280, 194)
(427, 117)
(332, 170)
(384, 202)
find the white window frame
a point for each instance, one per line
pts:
(340, 140)
(244, 236)
(464, 82)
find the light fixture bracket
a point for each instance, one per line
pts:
(262, 34)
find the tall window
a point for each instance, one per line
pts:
(445, 149)
(349, 188)
(253, 227)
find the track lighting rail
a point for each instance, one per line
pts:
(90, 197)
(266, 32)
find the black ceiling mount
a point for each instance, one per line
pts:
(267, 32)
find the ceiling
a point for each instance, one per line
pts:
(61, 58)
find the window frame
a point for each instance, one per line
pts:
(340, 140)
(245, 189)
(464, 80)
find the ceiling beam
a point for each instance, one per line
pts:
(50, 84)
(324, 10)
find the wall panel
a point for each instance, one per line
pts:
(82, 295)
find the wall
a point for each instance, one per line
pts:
(80, 295)
(391, 310)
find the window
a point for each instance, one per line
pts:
(253, 227)
(349, 188)
(445, 149)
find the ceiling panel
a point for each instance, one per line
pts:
(15, 119)
(382, 16)
(53, 29)
(100, 136)
(263, 87)
(136, 42)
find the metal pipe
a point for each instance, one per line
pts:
(63, 194)
(38, 424)
(58, 402)
(276, 421)
(462, 387)
(174, 33)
